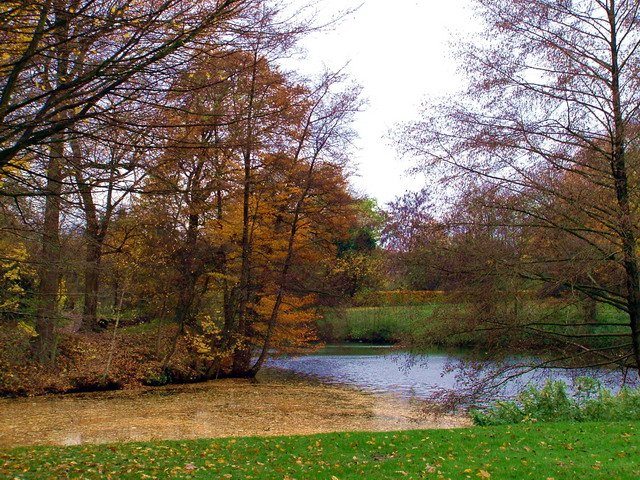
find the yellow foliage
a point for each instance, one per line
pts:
(383, 298)
(15, 272)
(28, 329)
(295, 322)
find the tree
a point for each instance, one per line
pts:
(553, 95)
(314, 208)
(413, 240)
(248, 192)
(72, 60)
(104, 171)
(357, 267)
(203, 182)
(62, 58)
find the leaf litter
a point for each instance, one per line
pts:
(272, 405)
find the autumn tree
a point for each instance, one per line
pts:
(247, 191)
(60, 62)
(158, 157)
(317, 204)
(358, 264)
(552, 98)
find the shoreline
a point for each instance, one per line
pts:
(269, 406)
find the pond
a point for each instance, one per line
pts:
(339, 388)
(383, 369)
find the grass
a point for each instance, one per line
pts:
(554, 402)
(390, 324)
(372, 324)
(540, 451)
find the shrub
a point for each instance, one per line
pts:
(589, 401)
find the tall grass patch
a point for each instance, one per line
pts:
(587, 401)
(372, 324)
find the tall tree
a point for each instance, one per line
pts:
(105, 170)
(67, 57)
(552, 92)
(315, 162)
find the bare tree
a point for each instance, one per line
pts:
(63, 57)
(552, 101)
(105, 171)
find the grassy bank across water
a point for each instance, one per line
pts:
(386, 324)
(394, 323)
(541, 451)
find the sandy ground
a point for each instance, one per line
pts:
(221, 408)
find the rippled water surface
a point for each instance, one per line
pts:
(384, 369)
(375, 368)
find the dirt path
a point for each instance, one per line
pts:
(215, 409)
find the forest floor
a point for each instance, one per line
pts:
(275, 404)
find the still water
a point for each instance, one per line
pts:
(383, 369)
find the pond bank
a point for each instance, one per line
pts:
(274, 404)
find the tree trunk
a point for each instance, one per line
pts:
(50, 259)
(93, 261)
(242, 353)
(94, 236)
(589, 309)
(189, 274)
(621, 183)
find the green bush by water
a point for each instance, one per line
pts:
(590, 401)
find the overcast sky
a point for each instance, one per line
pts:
(398, 51)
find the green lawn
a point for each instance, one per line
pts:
(538, 451)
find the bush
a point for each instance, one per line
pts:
(589, 401)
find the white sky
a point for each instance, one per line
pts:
(398, 51)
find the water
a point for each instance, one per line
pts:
(302, 395)
(374, 368)
(382, 369)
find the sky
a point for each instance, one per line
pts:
(399, 53)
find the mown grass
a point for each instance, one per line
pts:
(540, 451)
